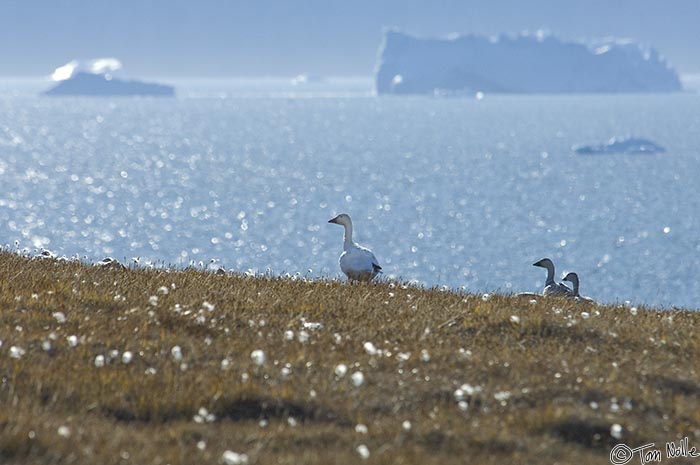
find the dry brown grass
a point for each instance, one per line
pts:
(641, 371)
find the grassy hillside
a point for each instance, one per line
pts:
(107, 366)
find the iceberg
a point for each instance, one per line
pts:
(620, 145)
(305, 78)
(526, 63)
(101, 77)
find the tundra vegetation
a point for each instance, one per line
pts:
(112, 365)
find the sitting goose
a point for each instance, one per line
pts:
(357, 262)
(573, 279)
(552, 288)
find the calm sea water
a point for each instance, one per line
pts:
(456, 192)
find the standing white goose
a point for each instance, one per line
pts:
(573, 279)
(552, 288)
(357, 262)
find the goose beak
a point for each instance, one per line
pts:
(537, 264)
(334, 220)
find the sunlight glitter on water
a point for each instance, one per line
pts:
(445, 191)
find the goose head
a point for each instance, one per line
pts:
(544, 263)
(343, 219)
(571, 277)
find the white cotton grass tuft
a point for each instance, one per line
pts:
(406, 425)
(303, 336)
(60, 317)
(311, 325)
(340, 370)
(234, 458)
(176, 352)
(258, 357)
(127, 356)
(502, 396)
(360, 428)
(153, 300)
(289, 335)
(72, 340)
(470, 390)
(369, 348)
(99, 361)
(464, 353)
(358, 379)
(208, 306)
(363, 451)
(204, 416)
(63, 431)
(616, 431)
(17, 352)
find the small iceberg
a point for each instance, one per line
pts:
(101, 77)
(620, 145)
(305, 78)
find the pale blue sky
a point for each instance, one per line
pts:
(216, 38)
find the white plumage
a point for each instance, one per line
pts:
(357, 262)
(552, 288)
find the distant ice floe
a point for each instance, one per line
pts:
(526, 63)
(305, 78)
(101, 77)
(623, 145)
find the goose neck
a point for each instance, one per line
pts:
(347, 237)
(550, 272)
(574, 281)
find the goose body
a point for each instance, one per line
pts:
(551, 287)
(573, 279)
(356, 262)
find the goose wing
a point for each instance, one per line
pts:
(359, 260)
(557, 289)
(375, 263)
(368, 255)
(565, 289)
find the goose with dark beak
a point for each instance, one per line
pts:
(551, 287)
(573, 279)
(357, 262)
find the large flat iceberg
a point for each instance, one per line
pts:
(527, 63)
(101, 77)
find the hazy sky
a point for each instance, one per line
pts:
(209, 38)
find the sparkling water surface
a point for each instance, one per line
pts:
(458, 192)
